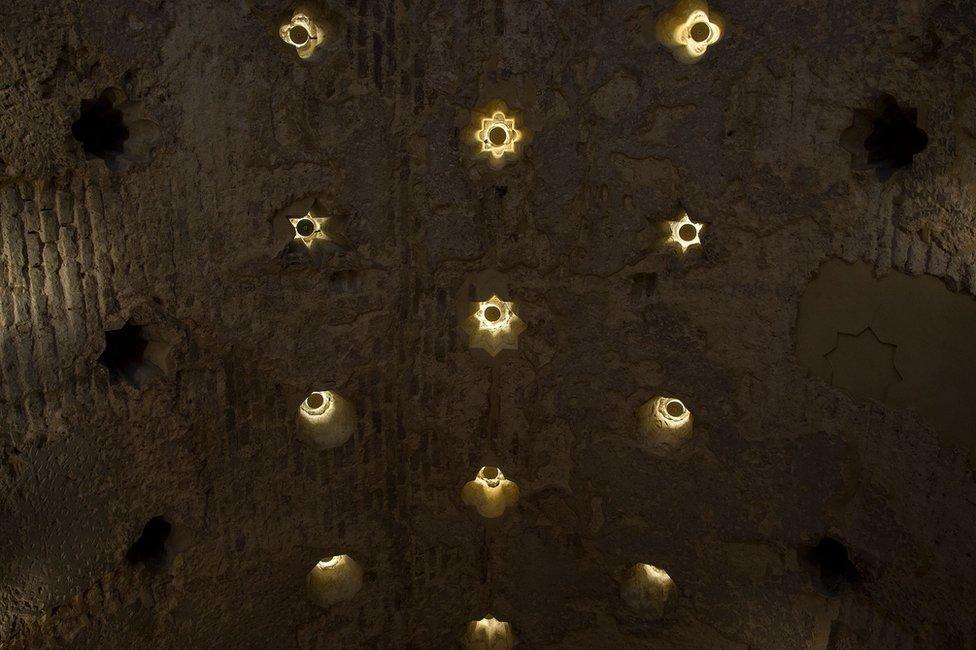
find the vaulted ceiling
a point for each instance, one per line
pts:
(297, 351)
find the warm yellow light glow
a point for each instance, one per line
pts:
(334, 579)
(309, 229)
(685, 233)
(498, 135)
(328, 562)
(316, 404)
(490, 492)
(665, 421)
(302, 33)
(493, 326)
(649, 589)
(489, 634)
(326, 420)
(688, 29)
(672, 413)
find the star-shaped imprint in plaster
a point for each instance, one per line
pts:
(863, 364)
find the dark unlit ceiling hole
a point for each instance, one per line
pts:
(150, 548)
(101, 129)
(884, 138)
(831, 569)
(125, 355)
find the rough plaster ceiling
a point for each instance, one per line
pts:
(185, 235)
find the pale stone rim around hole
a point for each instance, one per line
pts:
(315, 401)
(675, 405)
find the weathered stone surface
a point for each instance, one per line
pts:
(190, 241)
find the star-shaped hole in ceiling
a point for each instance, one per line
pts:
(498, 135)
(302, 33)
(685, 233)
(885, 137)
(493, 326)
(688, 29)
(309, 229)
(863, 364)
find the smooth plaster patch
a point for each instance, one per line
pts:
(904, 340)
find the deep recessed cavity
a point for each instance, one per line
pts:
(316, 404)
(303, 33)
(492, 313)
(333, 579)
(101, 127)
(831, 569)
(884, 138)
(665, 423)
(490, 492)
(495, 135)
(125, 356)
(700, 32)
(298, 35)
(675, 408)
(489, 634)
(649, 590)
(326, 420)
(150, 548)
(315, 400)
(683, 233)
(498, 135)
(671, 412)
(895, 139)
(688, 29)
(309, 229)
(115, 129)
